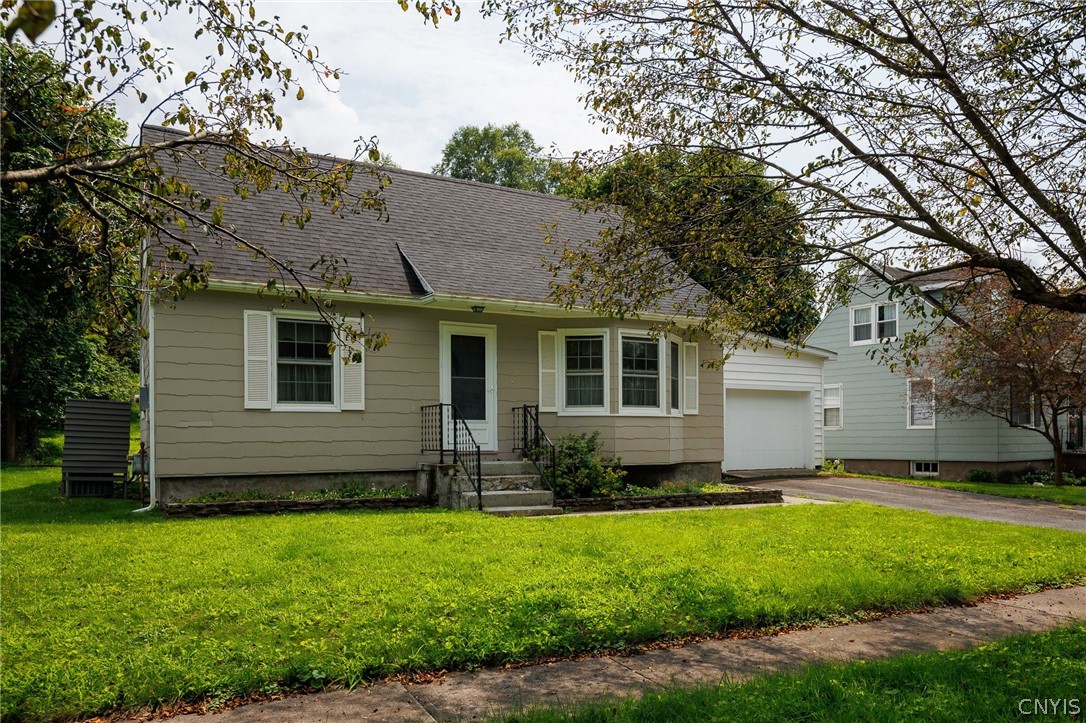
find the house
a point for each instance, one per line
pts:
(243, 393)
(879, 421)
(773, 406)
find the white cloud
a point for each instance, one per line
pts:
(412, 85)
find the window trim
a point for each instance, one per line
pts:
(873, 324)
(909, 405)
(840, 406)
(914, 472)
(1035, 413)
(639, 410)
(335, 405)
(560, 391)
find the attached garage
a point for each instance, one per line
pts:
(773, 408)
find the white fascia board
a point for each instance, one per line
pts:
(772, 341)
(450, 302)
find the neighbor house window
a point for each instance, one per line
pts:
(674, 377)
(585, 371)
(873, 322)
(1025, 411)
(831, 407)
(921, 403)
(640, 372)
(925, 469)
(303, 363)
(1075, 436)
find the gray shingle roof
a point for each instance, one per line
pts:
(453, 236)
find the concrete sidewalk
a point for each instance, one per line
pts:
(483, 693)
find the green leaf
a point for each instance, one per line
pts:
(301, 92)
(34, 18)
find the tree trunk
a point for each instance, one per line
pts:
(11, 438)
(1057, 461)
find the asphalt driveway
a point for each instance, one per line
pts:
(932, 499)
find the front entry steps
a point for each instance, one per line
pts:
(513, 503)
(510, 489)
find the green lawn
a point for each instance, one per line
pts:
(1064, 495)
(1006, 680)
(105, 610)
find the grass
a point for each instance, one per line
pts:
(104, 610)
(1007, 680)
(1064, 494)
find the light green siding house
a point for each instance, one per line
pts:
(877, 421)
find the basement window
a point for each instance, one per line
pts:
(925, 469)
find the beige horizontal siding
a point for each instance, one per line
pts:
(203, 428)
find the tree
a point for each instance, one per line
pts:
(1021, 363)
(63, 313)
(930, 137)
(717, 219)
(506, 156)
(226, 102)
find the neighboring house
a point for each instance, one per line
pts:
(243, 393)
(879, 421)
(773, 406)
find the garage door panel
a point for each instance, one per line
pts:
(765, 429)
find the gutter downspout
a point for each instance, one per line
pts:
(150, 382)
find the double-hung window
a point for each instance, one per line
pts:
(655, 376)
(641, 369)
(303, 362)
(586, 373)
(873, 322)
(293, 362)
(832, 403)
(1025, 411)
(921, 403)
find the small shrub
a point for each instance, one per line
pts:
(982, 476)
(582, 470)
(833, 466)
(1046, 478)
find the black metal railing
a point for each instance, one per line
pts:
(444, 430)
(533, 443)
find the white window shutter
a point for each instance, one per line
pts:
(690, 378)
(258, 359)
(548, 371)
(354, 373)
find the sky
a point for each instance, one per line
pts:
(412, 85)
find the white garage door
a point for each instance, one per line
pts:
(765, 429)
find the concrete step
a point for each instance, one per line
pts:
(508, 498)
(540, 511)
(507, 467)
(500, 482)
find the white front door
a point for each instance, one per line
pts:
(469, 378)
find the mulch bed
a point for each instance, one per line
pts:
(274, 507)
(693, 499)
